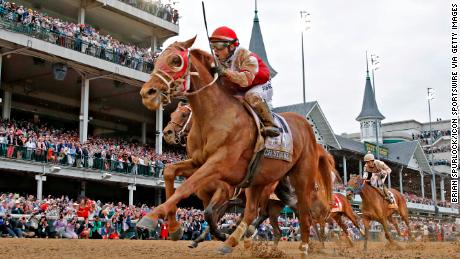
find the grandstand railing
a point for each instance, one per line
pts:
(152, 8)
(76, 44)
(72, 160)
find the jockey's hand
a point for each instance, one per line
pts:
(219, 70)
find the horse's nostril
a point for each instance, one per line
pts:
(169, 132)
(151, 91)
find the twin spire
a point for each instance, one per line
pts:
(256, 43)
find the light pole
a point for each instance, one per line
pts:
(304, 18)
(374, 63)
(430, 92)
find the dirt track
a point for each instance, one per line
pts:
(57, 248)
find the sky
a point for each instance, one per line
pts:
(411, 37)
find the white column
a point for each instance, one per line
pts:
(81, 15)
(157, 196)
(401, 181)
(389, 180)
(159, 130)
(84, 110)
(131, 189)
(40, 179)
(7, 96)
(433, 188)
(442, 189)
(154, 43)
(360, 168)
(422, 184)
(83, 189)
(144, 133)
(345, 177)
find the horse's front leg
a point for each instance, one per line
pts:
(183, 168)
(253, 195)
(210, 171)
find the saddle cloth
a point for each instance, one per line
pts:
(338, 206)
(279, 147)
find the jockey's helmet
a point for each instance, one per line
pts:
(224, 34)
(369, 157)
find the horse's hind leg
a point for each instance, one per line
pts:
(250, 211)
(274, 209)
(392, 220)
(338, 219)
(366, 223)
(403, 213)
(299, 179)
(387, 233)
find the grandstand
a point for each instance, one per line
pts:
(78, 65)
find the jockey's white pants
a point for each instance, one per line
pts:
(376, 181)
(264, 91)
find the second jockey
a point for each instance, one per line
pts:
(248, 71)
(379, 171)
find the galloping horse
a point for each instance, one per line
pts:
(222, 141)
(327, 166)
(177, 130)
(375, 207)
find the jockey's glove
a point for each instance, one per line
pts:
(218, 69)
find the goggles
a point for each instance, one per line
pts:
(219, 45)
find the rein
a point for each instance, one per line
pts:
(181, 78)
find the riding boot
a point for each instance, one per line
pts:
(269, 129)
(387, 194)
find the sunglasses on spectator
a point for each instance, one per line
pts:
(219, 45)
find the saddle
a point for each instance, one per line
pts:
(280, 147)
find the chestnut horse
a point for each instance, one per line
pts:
(222, 141)
(273, 210)
(375, 207)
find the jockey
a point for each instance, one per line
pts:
(248, 71)
(379, 171)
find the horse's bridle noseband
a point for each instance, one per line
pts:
(180, 78)
(183, 126)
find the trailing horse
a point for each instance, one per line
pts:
(222, 142)
(375, 207)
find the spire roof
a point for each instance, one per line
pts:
(369, 109)
(257, 45)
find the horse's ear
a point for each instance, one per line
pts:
(187, 44)
(180, 104)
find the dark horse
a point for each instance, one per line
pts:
(222, 141)
(375, 207)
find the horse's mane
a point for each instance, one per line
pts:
(207, 61)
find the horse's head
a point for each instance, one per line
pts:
(170, 72)
(179, 125)
(354, 185)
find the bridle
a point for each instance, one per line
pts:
(177, 79)
(183, 126)
(357, 189)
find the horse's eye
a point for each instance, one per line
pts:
(184, 115)
(176, 61)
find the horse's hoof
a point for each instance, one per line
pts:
(193, 244)
(147, 223)
(247, 244)
(223, 250)
(176, 235)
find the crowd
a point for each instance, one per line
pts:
(79, 37)
(41, 142)
(426, 136)
(63, 217)
(416, 199)
(440, 162)
(157, 8)
(440, 149)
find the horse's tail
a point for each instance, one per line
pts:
(325, 169)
